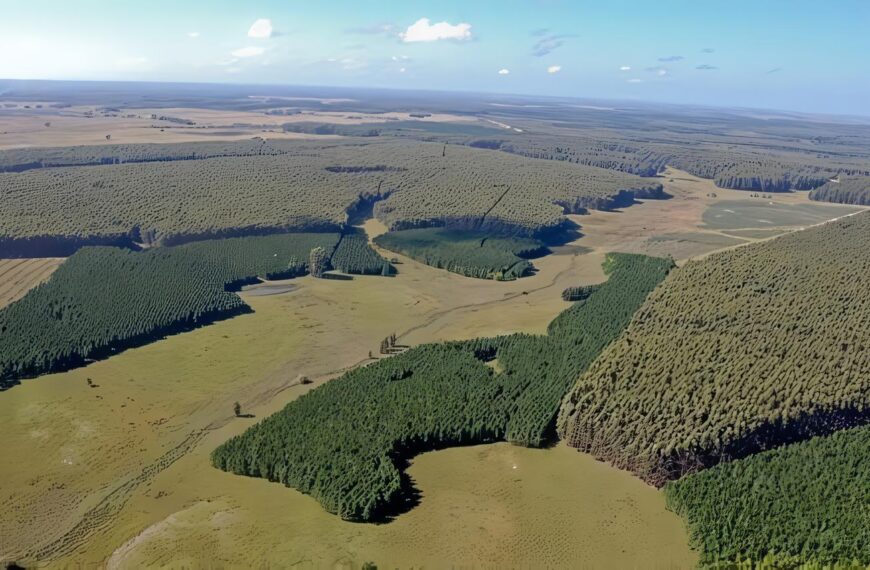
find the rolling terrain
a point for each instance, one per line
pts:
(745, 351)
(676, 291)
(301, 187)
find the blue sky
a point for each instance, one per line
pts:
(806, 55)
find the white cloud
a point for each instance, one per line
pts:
(635, 80)
(250, 51)
(504, 71)
(424, 31)
(625, 68)
(402, 70)
(261, 29)
(554, 69)
(662, 72)
(193, 34)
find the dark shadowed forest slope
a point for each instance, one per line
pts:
(469, 253)
(845, 190)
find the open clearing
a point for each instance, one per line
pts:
(123, 468)
(483, 506)
(18, 276)
(25, 125)
(762, 213)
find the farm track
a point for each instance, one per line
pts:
(435, 317)
(18, 276)
(101, 516)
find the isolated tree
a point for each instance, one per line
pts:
(237, 409)
(318, 262)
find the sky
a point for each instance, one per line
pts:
(802, 55)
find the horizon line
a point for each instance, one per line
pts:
(650, 102)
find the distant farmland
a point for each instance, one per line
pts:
(18, 276)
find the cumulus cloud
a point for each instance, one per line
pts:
(625, 68)
(635, 80)
(424, 31)
(554, 69)
(706, 66)
(193, 34)
(250, 51)
(261, 29)
(402, 70)
(672, 58)
(504, 71)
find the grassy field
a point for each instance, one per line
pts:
(124, 465)
(766, 213)
(104, 469)
(18, 276)
(483, 506)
